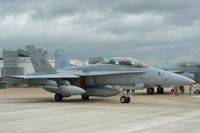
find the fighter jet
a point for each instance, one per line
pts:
(188, 69)
(98, 79)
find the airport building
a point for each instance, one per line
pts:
(16, 62)
(24, 64)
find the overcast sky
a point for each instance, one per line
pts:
(155, 31)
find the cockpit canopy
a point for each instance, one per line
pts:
(126, 61)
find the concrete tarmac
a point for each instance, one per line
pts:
(26, 110)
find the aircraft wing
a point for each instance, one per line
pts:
(72, 75)
(101, 73)
(43, 76)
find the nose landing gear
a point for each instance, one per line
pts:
(125, 98)
(58, 97)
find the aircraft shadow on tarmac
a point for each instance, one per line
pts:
(144, 94)
(75, 100)
(66, 100)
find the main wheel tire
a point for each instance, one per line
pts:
(58, 97)
(85, 97)
(160, 90)
(123, 99)
(128, 99)
(150, 91)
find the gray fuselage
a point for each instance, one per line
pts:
(150, 76)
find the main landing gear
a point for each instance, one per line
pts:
(59, 97)
(160, 90)
(125, 98)
(151, 90)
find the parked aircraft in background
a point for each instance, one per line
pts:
(98, 79)
(188, 69)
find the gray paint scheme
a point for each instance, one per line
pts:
(147, 75)
(39, 61)
(95, 77)
(61, 59)
(191, 70)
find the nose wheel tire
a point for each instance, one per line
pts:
(150, 91)
(124, 99)
(58, 97)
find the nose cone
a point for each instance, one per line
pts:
(180, 80)
(186, 80)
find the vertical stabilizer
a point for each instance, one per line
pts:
(61, 59)
(39, 61)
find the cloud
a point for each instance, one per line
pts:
(153, 31)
